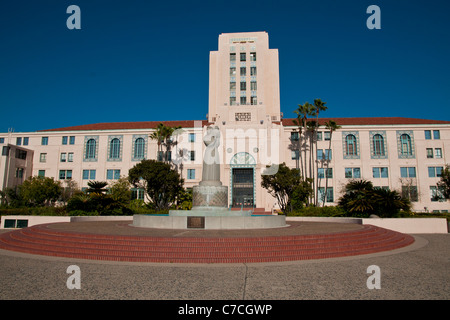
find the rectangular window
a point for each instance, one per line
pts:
(410, 192)
(435, 172)
(232, 57)
(352, 173)
(427, 134)
(64, 140)
(72, 140)
(329, 197)
(191, 174)
(243, 86)
(65, 174)
(232, 101)
(2, 140)
(319, 136)
(253, 85)
(436, 194)
(25, 141)
(294, 136)
(113, 174)
(429, 153)
(380, 172)
(41, 173)
(243, 100)
(253, 71)
(44, 141)
(137, 193)
(253, 101)
(192, 155)
(63, 157)
(89, 174)
(436, 134)
(438, 153)
(232, 85)
(252, 56)
(232, 71)
(327, 135)
(19, 141)
(295, 154)
(408, 172)
(43, 157)
(243, 56)
(191, 137)
(19, 172)
(21, 154)
(321, 173)
(70, 157)
(243, 71)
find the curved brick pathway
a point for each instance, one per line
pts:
(118, 241)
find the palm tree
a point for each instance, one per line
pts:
(319, 106)
(158, 135)
(302, 113)
(312, 128)
(332, 126)
(96, 187)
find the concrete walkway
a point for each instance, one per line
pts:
(420, 271)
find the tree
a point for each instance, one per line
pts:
(163, 137)
(444, 184)
(286, 184)
(40, 191)
(97, 187)
(319, 106)
(332, 126)
(161, 183)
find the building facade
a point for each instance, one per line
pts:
(402, 154)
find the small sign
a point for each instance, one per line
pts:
(196, 222)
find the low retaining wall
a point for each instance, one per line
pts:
(28, 221)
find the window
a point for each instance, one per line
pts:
(253, 101)
(408, 172)
(253, 86)
(253, 71)
(243, 86)
(21, 154)
(19, 141)
(72, 140)
(252, 56)
(160, 156)
(350, 145)
(380, 172)
(243, 100)
(327, 135)
(438, 153)
(243, 56)
(137, 193)
(405, 145)
(41, 173)
(63, 157)
(436, 194)
(427, 134)
(113, 174)
(139, 148)
(191, 174)
(410, 192)
(65, 174)
(191, 137)
(44, 141)
(114, 152)
(232, 71)
(429, 153)
(232, 101)
(232, 57)
(329, 196)
(19, 172)
(378, 145)
(2, 140)
(43, 157)
(25, 141)
(294, 136)
(324, 154)
(295, 154)
(91, 149)
(321, 173)
(436, 134)
(89, 174)
(192, 155)
(435, 172)
(352, 173)
(232, 85)
(70, 157)
(64, 140)
(243, 71)
(319, 136)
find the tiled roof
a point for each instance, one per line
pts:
(286, 122)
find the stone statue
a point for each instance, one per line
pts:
(211, 159)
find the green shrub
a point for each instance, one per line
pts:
(329, 211)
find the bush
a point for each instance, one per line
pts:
(83, 213)
(330, 211)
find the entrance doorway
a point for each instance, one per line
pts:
(242, 189)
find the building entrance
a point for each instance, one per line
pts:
(242, 189)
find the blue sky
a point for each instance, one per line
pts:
(149, 60)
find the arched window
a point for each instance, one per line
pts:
(114, 151)
(350, 145)
(378, 145)
(405, 143)
(139, 148)
(91, 146)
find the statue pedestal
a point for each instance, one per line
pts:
(209, 197)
